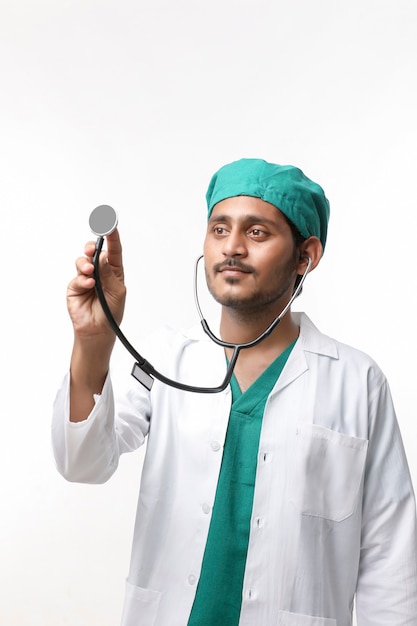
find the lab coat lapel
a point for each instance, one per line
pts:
(310, 340)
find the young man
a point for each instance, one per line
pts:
(280, 500)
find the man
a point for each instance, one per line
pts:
(284, 498)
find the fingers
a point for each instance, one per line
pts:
(113, 255)
(84, 281)
(84, 266)
(110, 264)
(85, 270)
(89, 249)
(114, 252)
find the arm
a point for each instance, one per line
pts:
(387, 583)
(84, 438)
(93, 337)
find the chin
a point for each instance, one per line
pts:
(238, 303)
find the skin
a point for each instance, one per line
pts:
(251, 265)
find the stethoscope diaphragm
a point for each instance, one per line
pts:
(103, 220)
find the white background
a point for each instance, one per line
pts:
(136, 103)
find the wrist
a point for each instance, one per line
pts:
(90, 361)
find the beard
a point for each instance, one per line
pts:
(259, 302)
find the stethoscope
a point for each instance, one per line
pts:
(103, 221)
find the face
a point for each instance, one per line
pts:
(250, 256)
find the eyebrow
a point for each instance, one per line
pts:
(248, 217)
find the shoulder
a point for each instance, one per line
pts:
(343, 357)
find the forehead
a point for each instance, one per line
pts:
(243, 207)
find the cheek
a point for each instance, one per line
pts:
(207, 250)
(280, 269)
(207, 260)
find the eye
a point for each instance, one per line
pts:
(257, 233)
(220, 231)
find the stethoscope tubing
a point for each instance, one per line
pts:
(147, 372)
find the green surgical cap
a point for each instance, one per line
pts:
(286, 187)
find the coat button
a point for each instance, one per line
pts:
(206, 508)
(215, 446)
(192, 579)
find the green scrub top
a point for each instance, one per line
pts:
(219, 592)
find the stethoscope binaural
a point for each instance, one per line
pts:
(103, 221)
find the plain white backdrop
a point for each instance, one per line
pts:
(136, 103)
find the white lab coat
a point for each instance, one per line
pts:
(333, 512)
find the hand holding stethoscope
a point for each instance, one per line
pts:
(86, 312)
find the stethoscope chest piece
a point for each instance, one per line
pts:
(103, 220)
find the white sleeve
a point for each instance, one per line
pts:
(387, 583)
(89, 451)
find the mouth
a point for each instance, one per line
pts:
(232, 268)
(232, 271)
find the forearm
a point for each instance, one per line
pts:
(85, 452)
(88, 451)
(89, 367)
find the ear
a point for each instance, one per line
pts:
(313, 249)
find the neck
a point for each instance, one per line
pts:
(237, 328)
(252, 362)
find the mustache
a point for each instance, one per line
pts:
(235, 263)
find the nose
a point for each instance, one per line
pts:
(235, 244)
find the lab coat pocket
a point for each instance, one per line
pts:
(140, 607)
(296, 619)
(328, 472)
